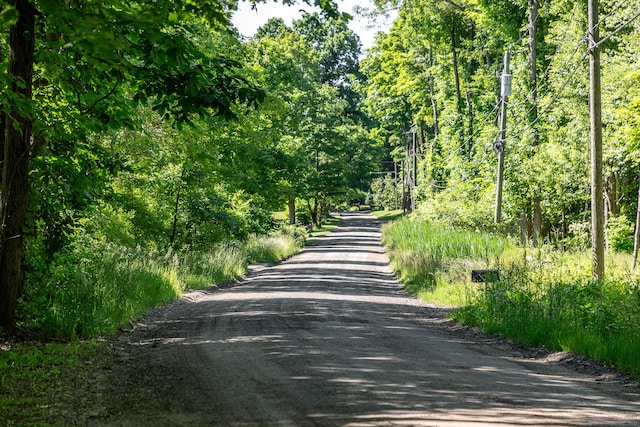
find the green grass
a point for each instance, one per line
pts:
(328, 225)
(32, 376)
(544, 297)
(600, 320)
(434, 261)
(97, 289)
(389, 215)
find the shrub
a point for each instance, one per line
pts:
(620, 233)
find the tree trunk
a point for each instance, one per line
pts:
(564, 228)
(313, 211)
(469, 145)
(434, 102)
(434, 106)
(16, 147)
(636, 233)
(611, 195)
(533, 114)
(537, 221)
(174, 226)
(454, 58)
(292, 211)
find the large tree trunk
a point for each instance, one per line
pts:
(16, 147)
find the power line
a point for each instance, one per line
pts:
(616, 31)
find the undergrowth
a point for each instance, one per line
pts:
(94, 288)
(32, 376)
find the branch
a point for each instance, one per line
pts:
(108, 94)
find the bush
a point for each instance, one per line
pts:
(303, 217)
(384, 193)
(620, 233)
(94, 287)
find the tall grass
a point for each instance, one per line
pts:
(98, 287)
(434, 260)
(544, 297)
(600, 320)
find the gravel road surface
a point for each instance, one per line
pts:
(330, 338)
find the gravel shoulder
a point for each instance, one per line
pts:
(329, 337)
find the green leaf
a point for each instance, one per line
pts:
(9, 16)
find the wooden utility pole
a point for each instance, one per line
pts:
(595, 114)
(414, 137)
(499, 146)
(533, 114)
(636, 232)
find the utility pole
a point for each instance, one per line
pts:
(595, 119)
(415, 169)
(395, 183)
(499, 145)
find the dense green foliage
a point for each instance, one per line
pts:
(145, 146)
(161, 144)
(437, 72)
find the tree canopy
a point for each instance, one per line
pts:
(104, 99)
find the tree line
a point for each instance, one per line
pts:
(153, 127)
(437, 73)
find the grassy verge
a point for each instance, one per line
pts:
(543, 298)
(31, 376)
(389, 215)
(96, 290)
(328, 225)
(97, 295)
(434, 261)
(599, 320)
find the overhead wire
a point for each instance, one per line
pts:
(575, 68)
(554, 97)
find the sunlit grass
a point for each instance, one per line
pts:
(389, 215)
(545, 297)
(98, 289)
(434, 261)
(328, 225)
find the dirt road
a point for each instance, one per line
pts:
(329, 338)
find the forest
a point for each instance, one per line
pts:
(437, 75)
(146, 141)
